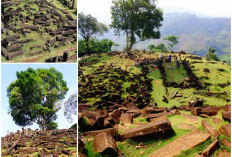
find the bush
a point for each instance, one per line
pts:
(74, 126)
(212, 54)
(96, 46)
(51, 125)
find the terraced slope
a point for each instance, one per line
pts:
(118, 92)
(40, 143)
(36, 30)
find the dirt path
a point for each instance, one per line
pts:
(185, 142)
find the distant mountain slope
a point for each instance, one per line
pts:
(195, 34)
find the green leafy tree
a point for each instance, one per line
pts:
(96, 46)
(137, 19)
(173, 40)
(161, 47)
(88, 26)
(151, 47)
(212, 54)
(35, 96)
(212, 49)
(51, 125)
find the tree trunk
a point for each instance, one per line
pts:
(87, 45)
(73, 2)
(127, 42)
(44, 123)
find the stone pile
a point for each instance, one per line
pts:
(106, 83)
(46, 19)
(45, 143)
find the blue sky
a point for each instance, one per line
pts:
(8, 75)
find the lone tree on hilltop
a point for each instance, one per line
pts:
(212, 54)
(173, 40)
(35, 97)
(88, 26)
(137, 19)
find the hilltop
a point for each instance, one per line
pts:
(142, 106)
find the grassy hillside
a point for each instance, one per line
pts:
(218, 73)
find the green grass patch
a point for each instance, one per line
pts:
(174, 75)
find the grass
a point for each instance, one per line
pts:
(157, 85)
(174, 75)
(89, 150)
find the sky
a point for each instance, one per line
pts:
(8, 75)
(213, 8)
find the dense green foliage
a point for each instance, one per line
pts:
(34, 97)
(95, 46)
(212, 54)
(51, 125)
(159, 48)
(173, 40)
(88, 26)
(136, 18)
(73, 126)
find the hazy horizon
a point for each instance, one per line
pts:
(101, 8)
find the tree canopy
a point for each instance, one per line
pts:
(95, 46)
(34, 97)
(88, 27)
(212, 54)
(159, 48)
(137, 19)
(173, 40)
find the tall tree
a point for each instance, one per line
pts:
(173, 40)
(34, 96)
(137, 19)
(88, 26)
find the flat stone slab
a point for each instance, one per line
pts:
(190, 140)
(224, 153)
(226, 115)
(149, 128)
(111, 131)
(225, 130)
(186, 126)
(209, 128)
(211, 148)
(191, 118)
(226, 143)
(216, 120)
(126, 118)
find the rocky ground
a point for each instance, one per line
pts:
(38, 31)
(28, 143)
(134, 105)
